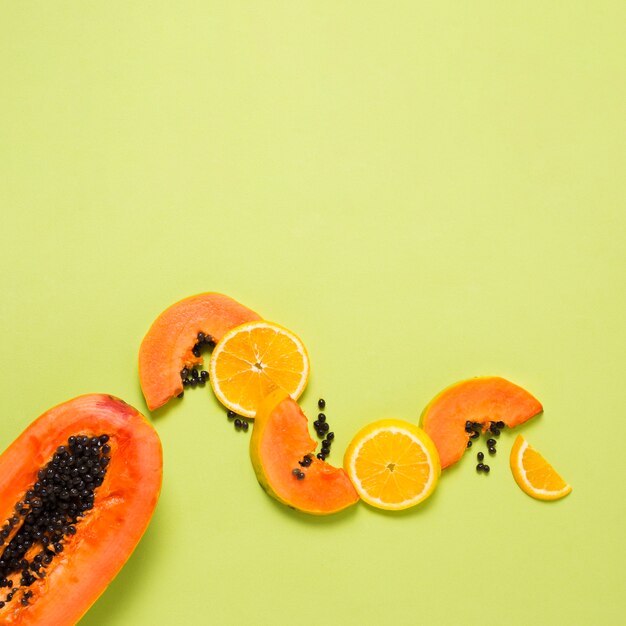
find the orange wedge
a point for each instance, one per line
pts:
(253, 359)
(534, 474)
(393, 464)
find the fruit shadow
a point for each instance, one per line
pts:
(307, 519)
(123, 589)
(159, 413)
(176, 404)
(526, 427)
(163, 411)
(414, 511)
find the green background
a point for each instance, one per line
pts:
(423, 191)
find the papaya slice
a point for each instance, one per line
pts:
(279, 444)
(478, 400)
(172, 342)
(77, 490)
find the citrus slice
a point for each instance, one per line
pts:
(393, 464)
(534, 474)
(253, 359)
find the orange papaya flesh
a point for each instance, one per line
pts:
(280, 439)
(480, 400)
(56, 575)
(169, 344)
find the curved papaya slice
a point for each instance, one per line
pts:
(168, 347)
(479, 400)
(280, 441)
(77, 490)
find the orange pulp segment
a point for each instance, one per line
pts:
(393, 464)
(253, 359)
(534, 474)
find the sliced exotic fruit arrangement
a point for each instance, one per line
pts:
(78, 487)
(258, 370)
(77, 490)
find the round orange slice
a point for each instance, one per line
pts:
(393, 464)
(534, 474)
(253, 359)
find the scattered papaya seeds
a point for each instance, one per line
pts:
(474, 429)
(238, 421)
(494, 428)
(323, 431)
(298, 473)
(192, 377)
(321, 427)
(241, 424)
(204, 341)
(306, 461)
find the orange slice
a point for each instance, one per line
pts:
(534, 474)
(393, 464)
(253, 359)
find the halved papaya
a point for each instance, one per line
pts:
(478, 400)
(169, 345)
(77, 490)
(279, 444)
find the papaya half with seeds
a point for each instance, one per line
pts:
(478, 400)
(77, 490)
(280, 440)
(170, 343)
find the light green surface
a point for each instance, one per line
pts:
(424, 192)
